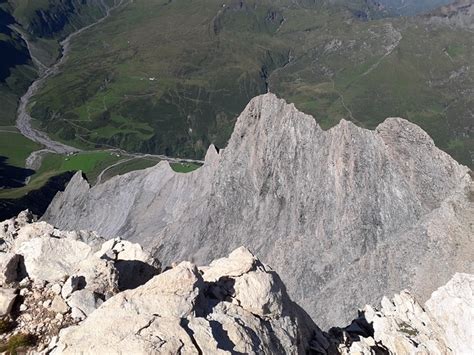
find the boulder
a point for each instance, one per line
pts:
(7, 298)
(85, 301)
(259, 292)
(72, 284)
(134, 265)
(237, 263)
(58, 305)
(96, 275)
(52, 259)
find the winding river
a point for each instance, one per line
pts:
(24, 120)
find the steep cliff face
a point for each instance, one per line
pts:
(346, 214)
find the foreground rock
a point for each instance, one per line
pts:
(52, 279)
(236, 305)
(452, 306)
(403, 326)
(348, 213)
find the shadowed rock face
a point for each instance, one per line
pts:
(344, 216)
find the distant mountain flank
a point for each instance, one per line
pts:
(43, 24)
(348, 213)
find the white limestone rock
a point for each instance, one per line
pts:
(403, 326)
(174, 312)
(452, 307)
(237, 263)
(135, 266)
(72, 284)
(84, 300)
(58, 305)
(52, 259)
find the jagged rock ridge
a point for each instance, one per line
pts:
(349, 214)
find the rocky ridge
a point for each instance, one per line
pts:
(349, 213)
(235, 305)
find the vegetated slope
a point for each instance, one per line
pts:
(44, 22)
(56, 18)
(344, 215)
(16, 67)
(170, 77)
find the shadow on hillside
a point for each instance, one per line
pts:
(37, 201)
(12, 176)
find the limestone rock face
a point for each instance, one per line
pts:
(452, 306)
(348, 213)
(179, 312)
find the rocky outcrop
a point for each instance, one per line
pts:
(452, 306)
(57, 278)
(235, 305)
(348, 213)
(403, 326)
(459, 13)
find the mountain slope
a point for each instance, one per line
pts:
(347, 214)
(43, 23)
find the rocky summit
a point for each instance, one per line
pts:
(345, 216)
(70, 293)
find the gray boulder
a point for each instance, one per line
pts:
(85, 301)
